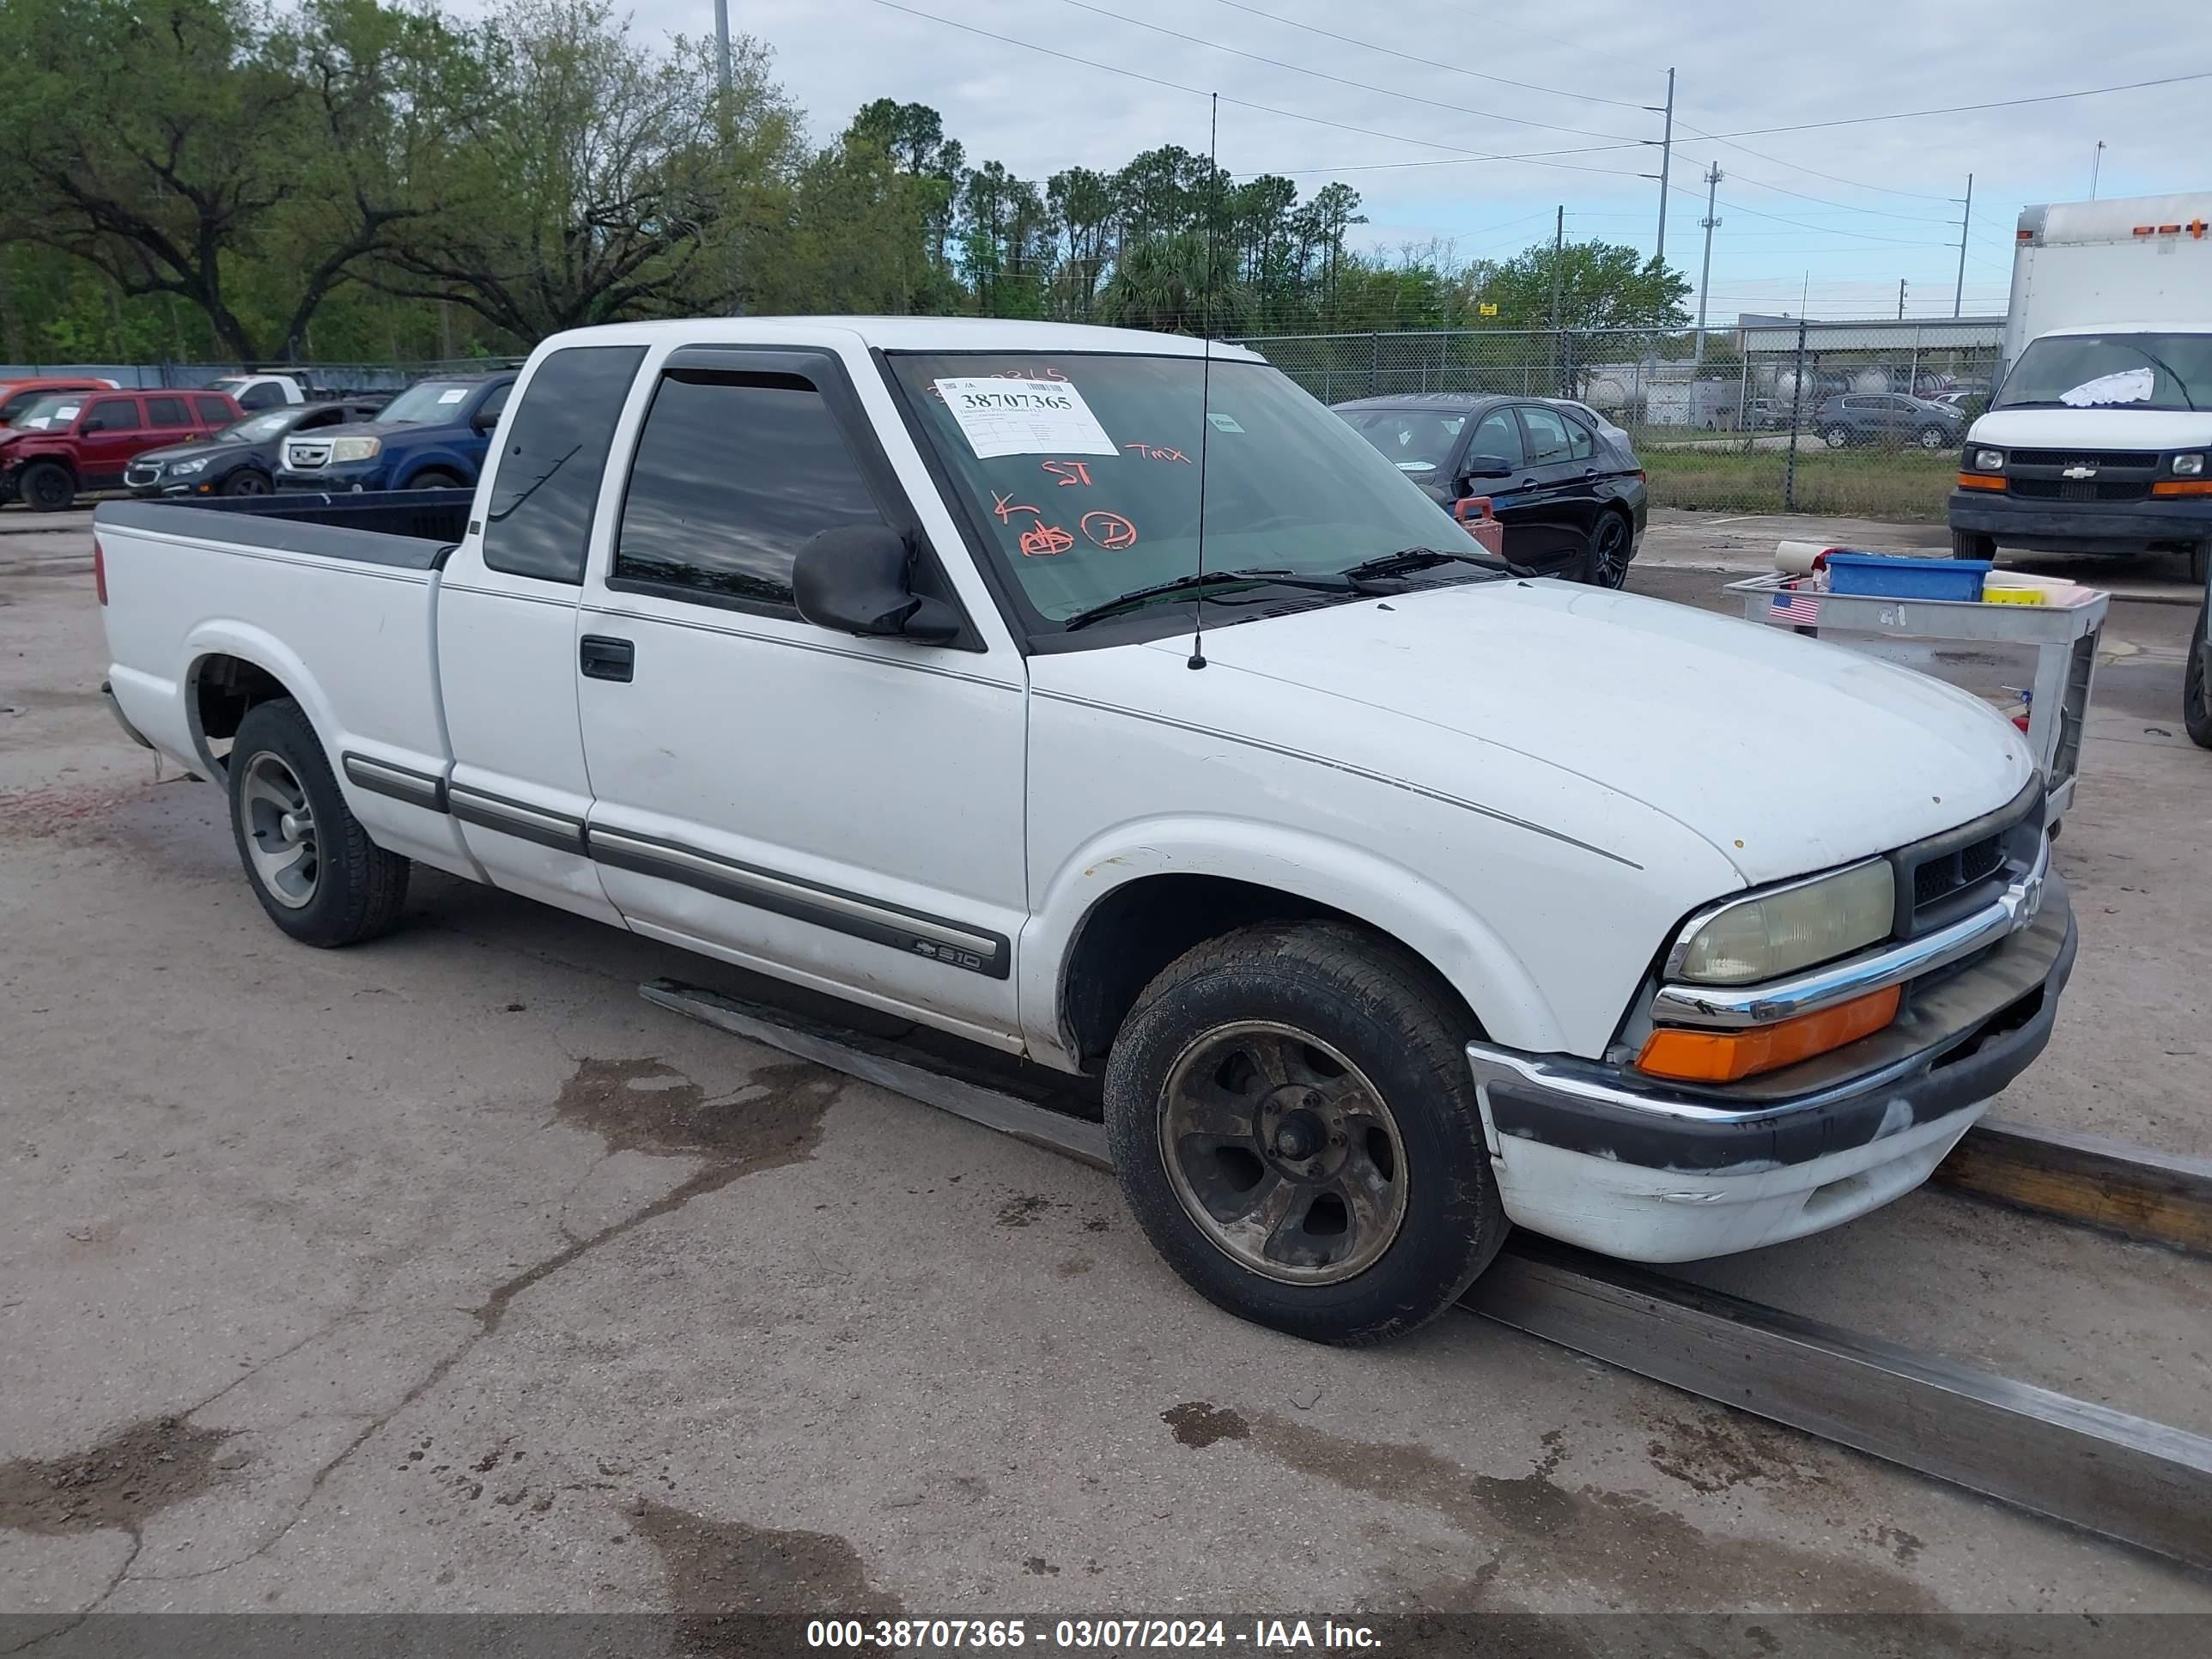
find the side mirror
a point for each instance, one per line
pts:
(486, 422)
(857, 579)
(1487, 466)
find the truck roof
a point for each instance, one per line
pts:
(2130, 326)
(912, 334)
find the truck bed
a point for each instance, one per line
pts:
(334, 596)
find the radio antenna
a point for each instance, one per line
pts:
(1205, 373)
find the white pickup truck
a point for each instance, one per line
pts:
(1415, 900)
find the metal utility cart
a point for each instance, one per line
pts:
(2063, 638)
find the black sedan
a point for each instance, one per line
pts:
(1569, 493)
(242, 459)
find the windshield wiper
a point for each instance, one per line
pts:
(2179, 385)
(1191, 583)
(1406, 560)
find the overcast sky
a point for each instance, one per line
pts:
(1577, 85)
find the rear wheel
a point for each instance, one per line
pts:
(1932, 437)
(434, 480)
(1836, 436)
(47, 487)
(1612, 544)
(1295, 1128)
(246, 482)
(2196, 682)
(313, 866)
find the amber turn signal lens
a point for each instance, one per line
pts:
(2182, 487)
(1979, 481)
(1724, 1056)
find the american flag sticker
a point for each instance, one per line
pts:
(1800, 608)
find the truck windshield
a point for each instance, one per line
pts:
(427, 400)
(1084, 470)
(2102, 371)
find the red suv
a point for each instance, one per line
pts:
(77, 440)
(16, 396)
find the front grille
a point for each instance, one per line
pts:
(2073, 458)
(141, 475)
(1948, 876)
(2082, 489)
(305, 457)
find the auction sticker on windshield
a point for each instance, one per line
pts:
(1000, 416)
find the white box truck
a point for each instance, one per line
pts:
(2096, 439)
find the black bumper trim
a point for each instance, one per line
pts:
(2119, 527)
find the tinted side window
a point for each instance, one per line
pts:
(16, 404)
(212, 412)
(166, 411)
(551, 457)
(116, 415)
(731, 477)
(494, 403)
(1547, 434)
(1581, 445)
(1497, 435)
(266, 395)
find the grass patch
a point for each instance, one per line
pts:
(1910, 485)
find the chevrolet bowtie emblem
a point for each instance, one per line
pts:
(2079, 473)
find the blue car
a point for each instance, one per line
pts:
(435, 436)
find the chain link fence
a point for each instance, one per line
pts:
(372, 377)
(1776, 414)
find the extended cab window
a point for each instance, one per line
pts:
(551, 457)
(733, 474)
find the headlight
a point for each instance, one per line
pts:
(1989, 460)
(185, 469)
(2188, 466)
(1775, 933)
(355, 449)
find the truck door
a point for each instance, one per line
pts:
(507, 633)
(843, 812)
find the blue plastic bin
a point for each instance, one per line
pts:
(1888, 576)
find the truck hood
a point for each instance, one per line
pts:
(1785, 754)
(2093, 428)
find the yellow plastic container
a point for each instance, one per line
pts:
(1998, 593)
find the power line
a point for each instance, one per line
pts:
(1460, 152)
(1832, 178)
(1342, 81)
(1966, 109)
(1427, 63)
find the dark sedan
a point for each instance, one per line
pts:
(1569, 493)
(242, 459)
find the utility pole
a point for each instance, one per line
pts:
(1666, 158)
(722, 50)
(1705, 275)
(723, 124)
(1900, 299)
(1966, 220)
(1558, 255)
(2096, 164)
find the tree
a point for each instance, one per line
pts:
(1184, 283)
(1601, 286)
(912, 136)
(604, 180)
(153, 142)
(1083, 209)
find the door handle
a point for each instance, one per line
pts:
(604, 658)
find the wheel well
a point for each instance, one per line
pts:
(1140, 927)
(223, 689)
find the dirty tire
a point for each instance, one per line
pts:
(247, 481)
(1397, 1025)
(1973, 544)
(2200, 562)
(46, 487)
(359, 888)
(2196, 682)
(433, 479)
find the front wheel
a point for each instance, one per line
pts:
(246, 482)
(2200, 562)
(47, 487)
(433, 481)
(1836, 436)
(1973, 544)
(311, 864)
(1612, 544)
(1295, 1127)
(2196, 682)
